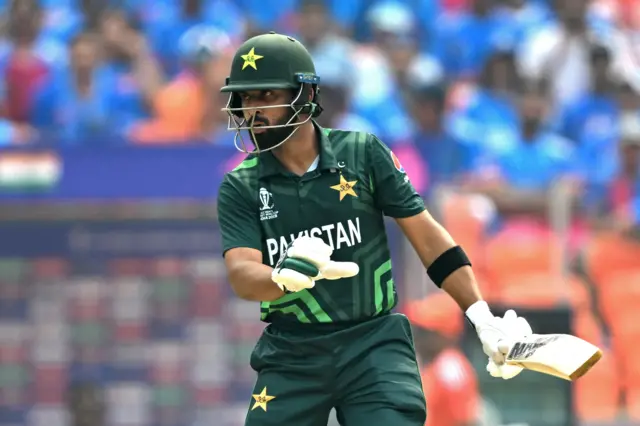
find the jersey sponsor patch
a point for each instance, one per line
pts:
(396, 162)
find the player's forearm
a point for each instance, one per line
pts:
(251, 280)
(462, 287)
(461, 284)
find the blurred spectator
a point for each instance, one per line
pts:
(559, 51)
(129, 69)
(188, 107)
(521, 18)
(269, 15)
(375, 89)
(449, 379)
(594, 114)
(485, 116)
(334, 97)
(617, 24)
(164, 22)
(628, 98)
(62, 20)
(435, 157)
(28, 60)
(615, 204)
(277, 15)
(518, 179)
(330, 51)
(462, 41)
(395, 34)
(75, 106)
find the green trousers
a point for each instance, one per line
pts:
(368, 372)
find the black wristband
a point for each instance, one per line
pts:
(447, 263)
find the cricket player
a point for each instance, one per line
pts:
(302, 229)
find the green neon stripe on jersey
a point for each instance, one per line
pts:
(247, 164)
(295, 309)
(391, 299)
(371, 187)
(377, 275)
(326, 131)
(264, 310)
(315, 308)
(290, 302)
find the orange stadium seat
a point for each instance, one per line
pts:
(597, 394)
(508, 255)
(527, 274)
(608, 254)
(625, 334)
(632, 402)
(539, 290)
(463, 218)
(618, 288)
(631, 373)
(586, 326)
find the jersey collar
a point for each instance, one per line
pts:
(269, 164)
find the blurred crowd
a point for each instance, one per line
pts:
(472, 92)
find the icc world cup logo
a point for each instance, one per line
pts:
(266, 199)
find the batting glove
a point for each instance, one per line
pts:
(307, 260)
(497, 336)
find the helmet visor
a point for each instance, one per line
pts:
(269, 136)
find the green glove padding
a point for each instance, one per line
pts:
(302, 266)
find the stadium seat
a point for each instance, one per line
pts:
(618, 288)
(625, 335)
(508, 255)
(464, 216)
(586, 326)
(632, 403)
(597, 394)
(540, 290)
(608, 254)
(525, 272)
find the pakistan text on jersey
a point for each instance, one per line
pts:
(337, 235)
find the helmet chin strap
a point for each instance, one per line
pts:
(291, 128)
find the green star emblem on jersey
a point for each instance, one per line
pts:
(250, 59)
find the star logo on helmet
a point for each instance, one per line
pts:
(250, 59)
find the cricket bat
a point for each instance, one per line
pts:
(561, 355)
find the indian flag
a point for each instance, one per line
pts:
(36, 171)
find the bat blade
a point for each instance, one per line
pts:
(561, 355)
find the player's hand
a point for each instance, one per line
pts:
(307, 260)
(503, 371)
(497, 336)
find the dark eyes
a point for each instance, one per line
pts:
(266, 95)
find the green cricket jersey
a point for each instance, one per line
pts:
(358, 180)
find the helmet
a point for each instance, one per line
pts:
(268, 62)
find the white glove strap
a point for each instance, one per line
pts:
(479, 313)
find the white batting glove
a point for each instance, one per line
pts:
(307, 260)
(497, 336)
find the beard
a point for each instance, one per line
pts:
(272, 137)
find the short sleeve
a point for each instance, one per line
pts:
(239, 222)
(393, 193)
